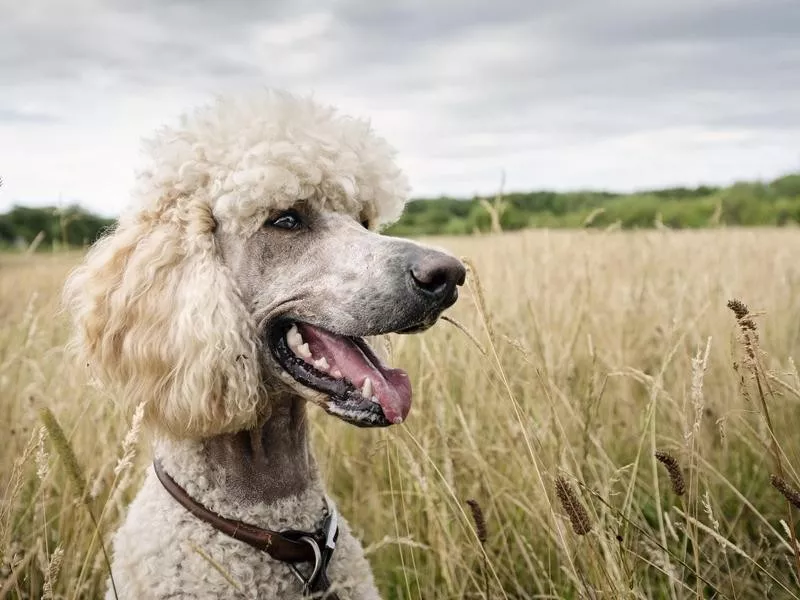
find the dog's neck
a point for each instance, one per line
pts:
(268, 463)
(262, 465)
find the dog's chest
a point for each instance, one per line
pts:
(162, 551)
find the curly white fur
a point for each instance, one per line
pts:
(139, 320)
(157, 316)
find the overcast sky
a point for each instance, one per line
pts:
(560, 94)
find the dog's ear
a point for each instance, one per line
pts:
(158, 317)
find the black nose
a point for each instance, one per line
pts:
(436, 275)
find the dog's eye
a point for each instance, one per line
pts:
(365, 223)
(289, 220)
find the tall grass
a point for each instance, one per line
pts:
(582, 375)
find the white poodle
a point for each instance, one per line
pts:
(239, 287)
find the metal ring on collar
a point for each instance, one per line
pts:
(308, 581)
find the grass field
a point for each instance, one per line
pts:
(587, 353)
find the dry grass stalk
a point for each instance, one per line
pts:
(75, 473)
(51, 575)
(480, 532)
(699, 367)
(578, 517)
(35, 243)
(747, 326)
(465, 331)
(13, 488)
(789, 492)
(474, 283)
(129, 443)
(218, 568)
(496, 209)
(42, 458)
(64, 450)
(674, 471)
(749, 334)
(712, 519)
(592, 216)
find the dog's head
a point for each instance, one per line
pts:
(251, 265)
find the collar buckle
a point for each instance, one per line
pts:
(323, 544)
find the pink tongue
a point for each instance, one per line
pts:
(391, 386)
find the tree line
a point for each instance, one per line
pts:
(49, 227)
(775, 203)
(758, 203)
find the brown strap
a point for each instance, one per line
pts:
(277, 545)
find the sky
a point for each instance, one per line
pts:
(555, 94)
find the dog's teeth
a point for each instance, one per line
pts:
(293, 337)
(375, 400)
(337, 374)
(322, 364)
(366, 388)
(304, 351)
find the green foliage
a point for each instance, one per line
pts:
(788, 185)
(65, 227)
(742, 204)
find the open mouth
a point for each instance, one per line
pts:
(360, 388)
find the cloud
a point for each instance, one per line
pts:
(620, 94)
(10, 115)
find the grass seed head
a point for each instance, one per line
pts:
(42, 458)
(747, 325)
(578, 516)
(789, 492)
(739, 308)
(674, 471)
(480, 522)
(64, 450)
(51, 573)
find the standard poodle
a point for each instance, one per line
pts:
(239, 287)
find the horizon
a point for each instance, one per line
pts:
(506, 193)
(560, 98)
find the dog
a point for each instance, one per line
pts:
(237, 290)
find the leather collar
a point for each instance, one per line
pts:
(289, 546)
